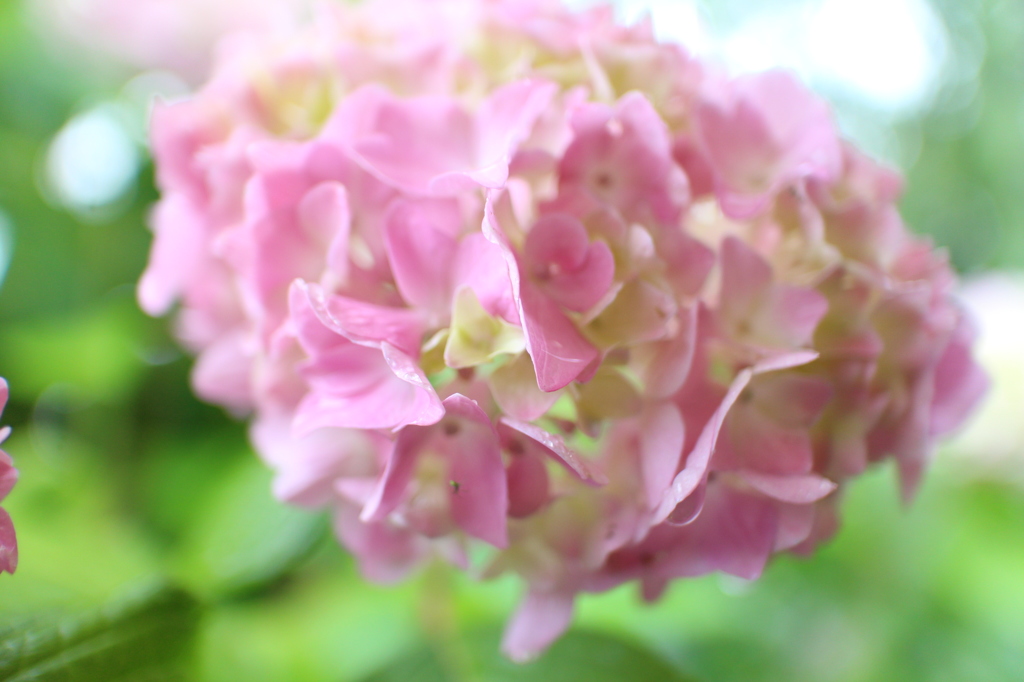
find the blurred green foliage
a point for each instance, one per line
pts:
(604, 658)
(967, 185)
(141, 638)
(125, 476)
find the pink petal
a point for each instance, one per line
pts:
(641, 312)
(481, 265)
(752, 440)
(565, 265)
(755, 309)
(696, 167)
(792, 400)
(689, 261)
(779, 362)
(222, 373)
(743, 155)
(761, 132)
(179, 246)
(746, 278)
(421, 256)
(308, 469)
(504, 121)
(735, 534)
(467, 440)
(793, 489)
(528, 485)
(365, 388)
(960, 383)
(908, 439)
(507, 117)
(695, 470)
(398, 474)
(693, 476)
(553, 446)
(664, 365)
(431, 144)
(559, 352)
(559, 240)
(793, 316)
(541, 618)
(8, 544)
(324, 212)
(364, 323)
(480, 500)
(514, 387)
(386, 554)
(279, 243)
(369, 384)
(8, 475)
(662, 434)
(405, 143)
(796, 522)
(621, 156)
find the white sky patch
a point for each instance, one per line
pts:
(887, 53)
(891, 52)
(677, 21)
(93, 160)
(768, 39)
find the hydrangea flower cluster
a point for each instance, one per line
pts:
(8, 477)
(493, 274)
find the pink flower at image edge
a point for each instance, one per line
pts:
(8, 477)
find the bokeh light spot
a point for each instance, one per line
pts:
(92, 161)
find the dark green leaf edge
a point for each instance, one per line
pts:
(142, 637)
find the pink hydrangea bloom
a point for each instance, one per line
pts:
(8, 477)
(493, 274)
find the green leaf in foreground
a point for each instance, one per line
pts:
(141, 639)
(246, 540)
(579, 655)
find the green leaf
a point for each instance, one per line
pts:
(246, 540)
(93, 354)
(141, 639)
(579, 655)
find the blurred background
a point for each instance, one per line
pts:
(126, 477)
